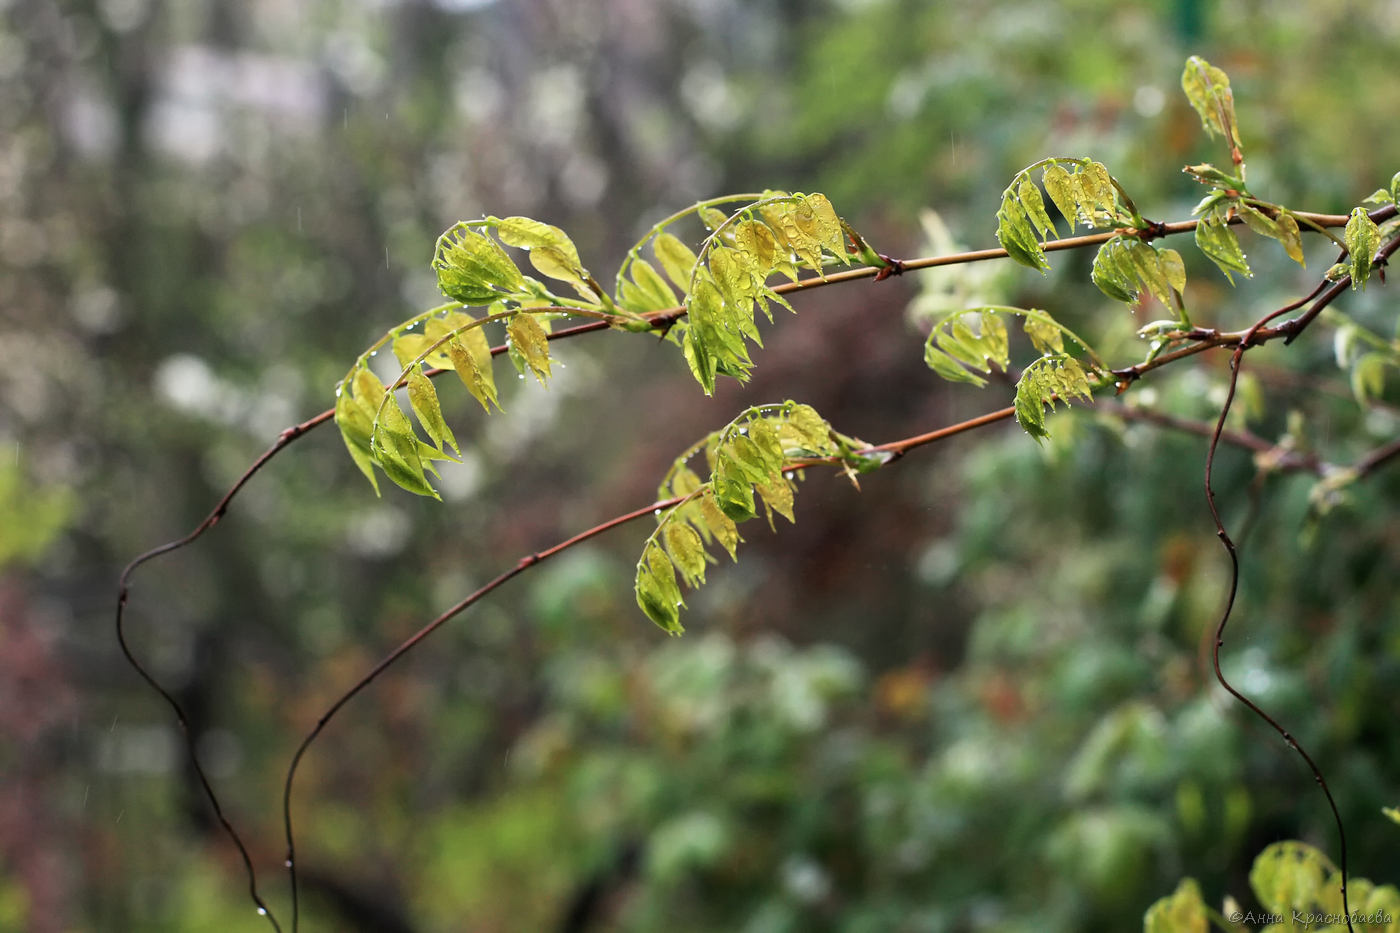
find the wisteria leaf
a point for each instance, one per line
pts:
(529, 339)
(676, 259)
(423, 397)
(1362, 238)
(686, 550)
(472, 269)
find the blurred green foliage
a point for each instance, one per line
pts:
(974, 697)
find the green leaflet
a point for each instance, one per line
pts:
(1125, 266)
(472, 269)
(958, 353)
(423, 397)
(727, 282)
(529, 344)
(675, 257)
(1081, 189)
(747, 456)
(657, 592)
(1208, 90)
(1048, 381)
(1362, 238)
(1218, 241)
(355, 429)
(552, 253)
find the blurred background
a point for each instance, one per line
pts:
(973, 695)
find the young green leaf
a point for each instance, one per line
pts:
(676, 259)
(1016, 236)
(1290, 237)
(1218, 241)
(1047, 381)
(653, 287)
(472, 269)
(777, 495)
(355, 429)
(686, 550)
(657, 593)
(1113, 272)
(1362, 238)
(396, 450)
(1208, 90)
(719, 525)
(423, 397)
(1061, 190)
(529, 340)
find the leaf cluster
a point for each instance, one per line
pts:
(1082, 190)
(472, 268)
(958, 353)
(726, 283)
(750, 457)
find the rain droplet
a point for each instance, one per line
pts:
(262, 911)
(287, 863)
(521, 376)
(656, 511)
(374, 353)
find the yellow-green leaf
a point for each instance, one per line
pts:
(777, 497)
(827, 225)
(355, 428)
(1219, 242)
(1029, 196)
(686, 550)
(529, 339)
(1044, 336)
(1290, 237)
(676, 259)
(719, 524)
(474, 371)
(1061, 190)
(1362, 238)
(653, 287)
(472, 269)
(423, 397)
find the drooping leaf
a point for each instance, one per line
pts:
(777, 497)
(423, 397)
(1029, 196)
(712, 218)
(1045, 336)
(1112, 272)
(396, 449)
(657, 593)
(686, 550)
(719, 524)
(1016, 236)
(1047, 381)
(529, 339)
(355, 428)
(1362, 238)
(1290, 237)
(1218, 241)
